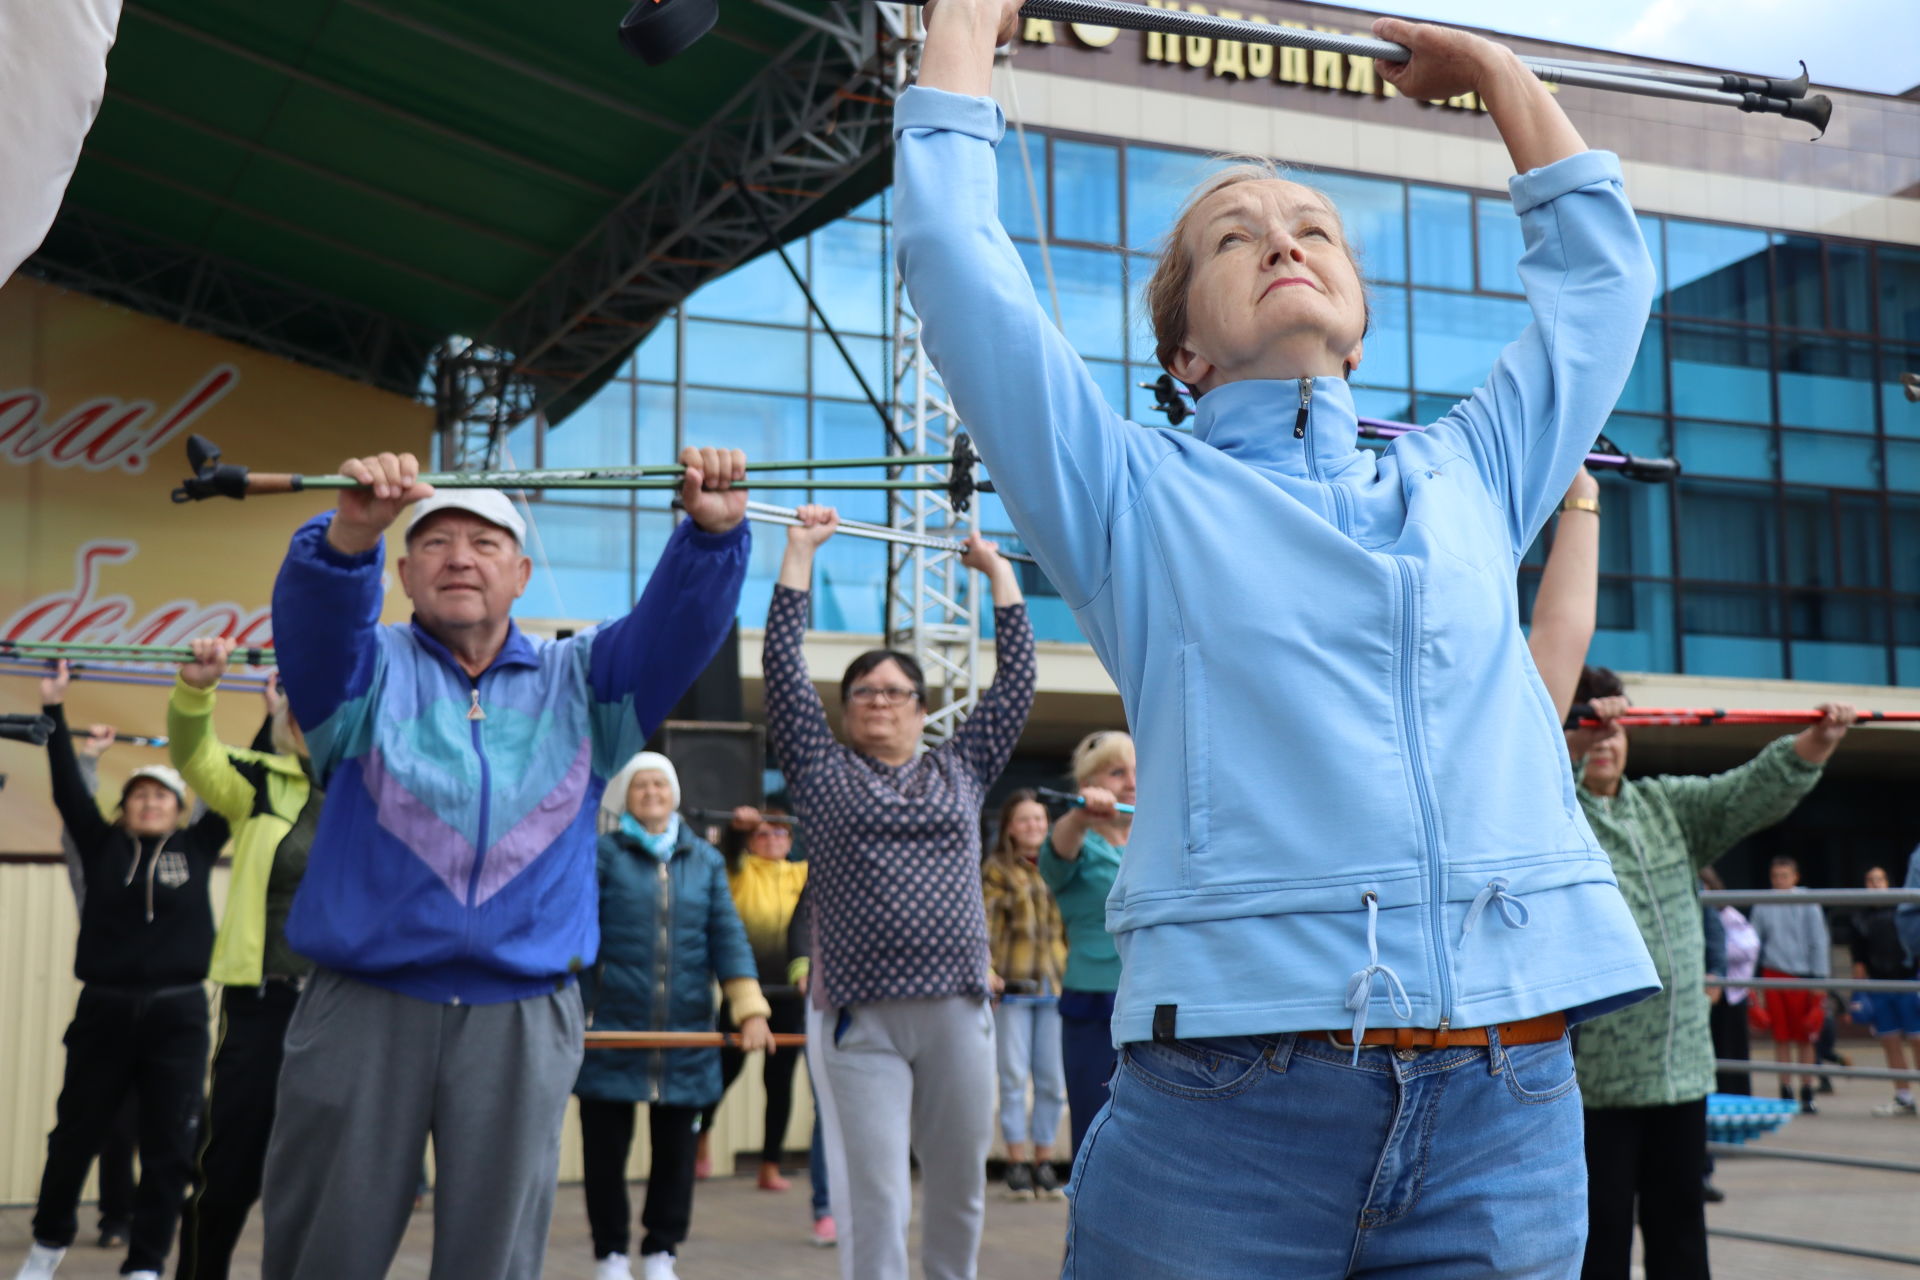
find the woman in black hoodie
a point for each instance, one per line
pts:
(146, 933)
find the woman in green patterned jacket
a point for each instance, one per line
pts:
(1645, 1071)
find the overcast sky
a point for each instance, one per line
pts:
(1854, 44)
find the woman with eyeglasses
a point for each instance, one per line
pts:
(900, 1025)
(766, 888)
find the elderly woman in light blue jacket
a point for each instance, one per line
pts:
(1360, 905)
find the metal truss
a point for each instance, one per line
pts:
(116, 261)
(816, 114)
(935, 604)
(479, 396)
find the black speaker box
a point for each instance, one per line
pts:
(721, 763)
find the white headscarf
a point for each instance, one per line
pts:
(613, 801)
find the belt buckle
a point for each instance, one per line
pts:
(1334, 1038)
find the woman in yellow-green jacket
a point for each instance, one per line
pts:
(273, 806)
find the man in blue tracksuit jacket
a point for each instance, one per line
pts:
(1356, 818)
(449, 900)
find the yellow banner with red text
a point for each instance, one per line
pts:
(96, 405)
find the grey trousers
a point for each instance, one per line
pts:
(900, 1071)
(368, 1076)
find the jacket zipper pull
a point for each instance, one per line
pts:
(1306, 402)
(474, 712)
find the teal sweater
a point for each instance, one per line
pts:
(1659, 833)
(1081, 887)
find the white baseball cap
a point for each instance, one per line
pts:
(490, 505)
(161, 774)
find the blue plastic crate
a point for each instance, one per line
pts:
(1733, 1117)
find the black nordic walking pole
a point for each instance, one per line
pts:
(34, 729)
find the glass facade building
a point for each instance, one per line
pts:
(1790, 549)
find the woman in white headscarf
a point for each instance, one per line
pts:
(668, 931)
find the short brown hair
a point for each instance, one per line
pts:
(1172, 279)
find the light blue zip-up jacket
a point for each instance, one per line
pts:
(1355, 802)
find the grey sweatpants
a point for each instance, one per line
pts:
(368, 1076)
(900, 1071)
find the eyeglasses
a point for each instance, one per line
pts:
(885, 695)
(771, 832)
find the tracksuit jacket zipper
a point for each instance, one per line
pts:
(1423, 785)
(663, 955)
(475, 716)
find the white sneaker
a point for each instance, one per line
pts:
(613, 1267)
(142, 1275)
(42, 1261)
(658, 1266)
(1898, 1107)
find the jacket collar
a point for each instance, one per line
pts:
(1254, 422)
(518, 651)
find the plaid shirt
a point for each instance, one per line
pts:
(893, 851)
(1025, 939)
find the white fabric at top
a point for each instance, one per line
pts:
(53, 73)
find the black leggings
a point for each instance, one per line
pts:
(1645, 1164)
(606, 1136)
(150, 1042)
(788, 1017)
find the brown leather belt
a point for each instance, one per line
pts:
(1540, 1030)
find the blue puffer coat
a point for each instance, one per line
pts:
(667, 931)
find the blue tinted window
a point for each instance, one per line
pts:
(1839, 663)
(1847, 462)
(1384, 356)
(1716, 449)
(1374, 215)
(1086, 191)
(738, 355)
(1904, 520)
(598, 434)
(1091, 293)
(1652, 230)
(1140, 340)
(1899, 273)
(1646, 389)
(832, 377)
(1732, 633)
(1158, 183)
(1849, 288)
(1111, 378)
(1720, 373)
(1719, 273)
(1826, 384)
(851, 277)
(1728, 532)
(587, 570)
(1441, 223)
(1646, 437)
(1635, 537)
(1832, 540)
(842, 429)
(761, 290)
(653, 425)
(1903, 466)
(1633, 627)
(767, 427)
(1457, 338)
(1798, 297)
(849, 585)
(1500, 245)
(1389, 406)
(655, 357)
(1899, 415)
(1017, 197)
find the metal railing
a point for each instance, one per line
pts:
(1817, 897)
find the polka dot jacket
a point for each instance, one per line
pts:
(894, 852)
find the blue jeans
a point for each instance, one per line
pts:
(817, 1165)
(1027, 1043)
(1278, 1156)
(1087, 1055)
